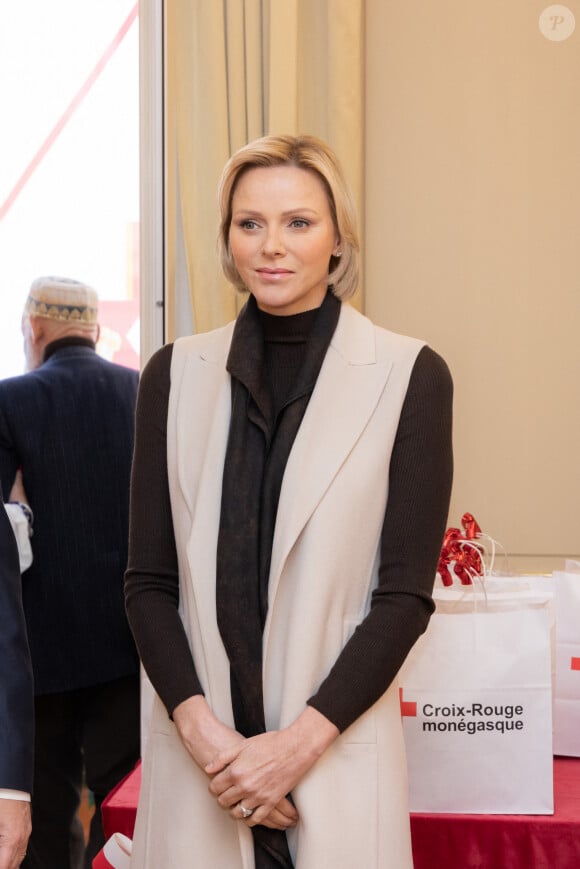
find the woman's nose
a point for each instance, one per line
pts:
(274, 242)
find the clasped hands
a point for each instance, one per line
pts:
(257, 772)
(254, 775)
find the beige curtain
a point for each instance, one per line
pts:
(235, 70)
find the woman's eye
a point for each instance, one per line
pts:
(248, 224)
(299, 223)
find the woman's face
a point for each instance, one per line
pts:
(282, 237)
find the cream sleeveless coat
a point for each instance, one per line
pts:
(353, 803)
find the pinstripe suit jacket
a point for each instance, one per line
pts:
(70, 425)
(16, 715)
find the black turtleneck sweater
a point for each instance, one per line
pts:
(416, 515)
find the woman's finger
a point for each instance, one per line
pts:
(277, 820)
(229, 798)
(242, 811)
(222, 760)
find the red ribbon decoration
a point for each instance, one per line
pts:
(470, 526)
(464, 560)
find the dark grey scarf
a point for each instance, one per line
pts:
(263, 427)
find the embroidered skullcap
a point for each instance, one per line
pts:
(64, 300)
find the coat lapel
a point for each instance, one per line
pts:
(202, 427)
(348, 389)
(203, 423)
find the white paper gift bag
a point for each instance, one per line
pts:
(567, 685)
(115, 854)
(476, 705)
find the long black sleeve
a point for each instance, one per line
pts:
(420, 477)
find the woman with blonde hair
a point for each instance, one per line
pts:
(290, 490)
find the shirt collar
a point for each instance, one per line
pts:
(67, 341)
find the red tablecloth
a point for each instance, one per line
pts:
(119, 808)
(506, 841)
(450, 841)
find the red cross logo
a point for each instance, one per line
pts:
(408, 708)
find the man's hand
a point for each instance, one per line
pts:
(15, 827)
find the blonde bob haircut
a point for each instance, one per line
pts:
(304, 152)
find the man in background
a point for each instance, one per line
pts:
(68, 425)
(16, 707)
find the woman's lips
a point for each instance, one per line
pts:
(274, 274)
